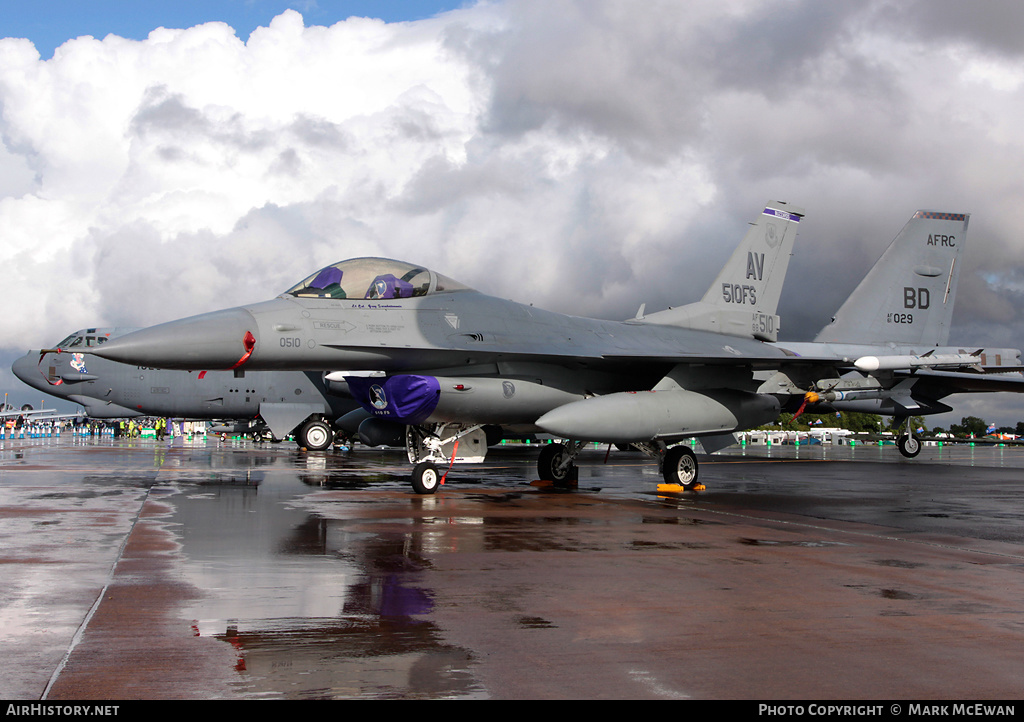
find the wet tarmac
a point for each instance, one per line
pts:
(223, 570)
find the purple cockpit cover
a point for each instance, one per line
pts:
(326, 277)
(405, 398)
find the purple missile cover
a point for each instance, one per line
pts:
(406, 398)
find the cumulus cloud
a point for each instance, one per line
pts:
(583, 156)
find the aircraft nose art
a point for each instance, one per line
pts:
(219, 340)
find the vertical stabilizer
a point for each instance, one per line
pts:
(744, 298)
(907, 296)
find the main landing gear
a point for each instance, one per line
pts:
(315, 435)
(678, 463)
(318, 435)
(679, 466)
(430, 447)
(556, 463)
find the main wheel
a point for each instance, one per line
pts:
(680, 467)
(316, 435)
(425, 478)
(549, 465)
(909, 446)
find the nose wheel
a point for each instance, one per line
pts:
(909, 446)
(425, 478)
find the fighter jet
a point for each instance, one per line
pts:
(440, 360)
(276, 402)
(895, 327)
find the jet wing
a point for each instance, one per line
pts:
(944, 383)
(733, 357)
(34, 414)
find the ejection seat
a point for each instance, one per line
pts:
(388, 286)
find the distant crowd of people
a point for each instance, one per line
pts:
(82, 426)
(132, 428)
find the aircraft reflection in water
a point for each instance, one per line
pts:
(434, 361)
(278, 402)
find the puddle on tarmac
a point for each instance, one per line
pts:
(372, 658)
(311, 608)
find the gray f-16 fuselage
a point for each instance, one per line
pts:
(439, 360)
(484, 360)
(283, 402)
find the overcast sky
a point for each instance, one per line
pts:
(586, 156)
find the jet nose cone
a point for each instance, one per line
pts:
(218, 340)
(27, 369)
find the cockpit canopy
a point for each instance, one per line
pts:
(370, 278)
(86, 337)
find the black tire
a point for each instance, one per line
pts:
(547, 465)
(680, 467)
(909, 446)
(425, 478)
(316, 435)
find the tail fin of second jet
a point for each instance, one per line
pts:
(744, 298)
(907, 296)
